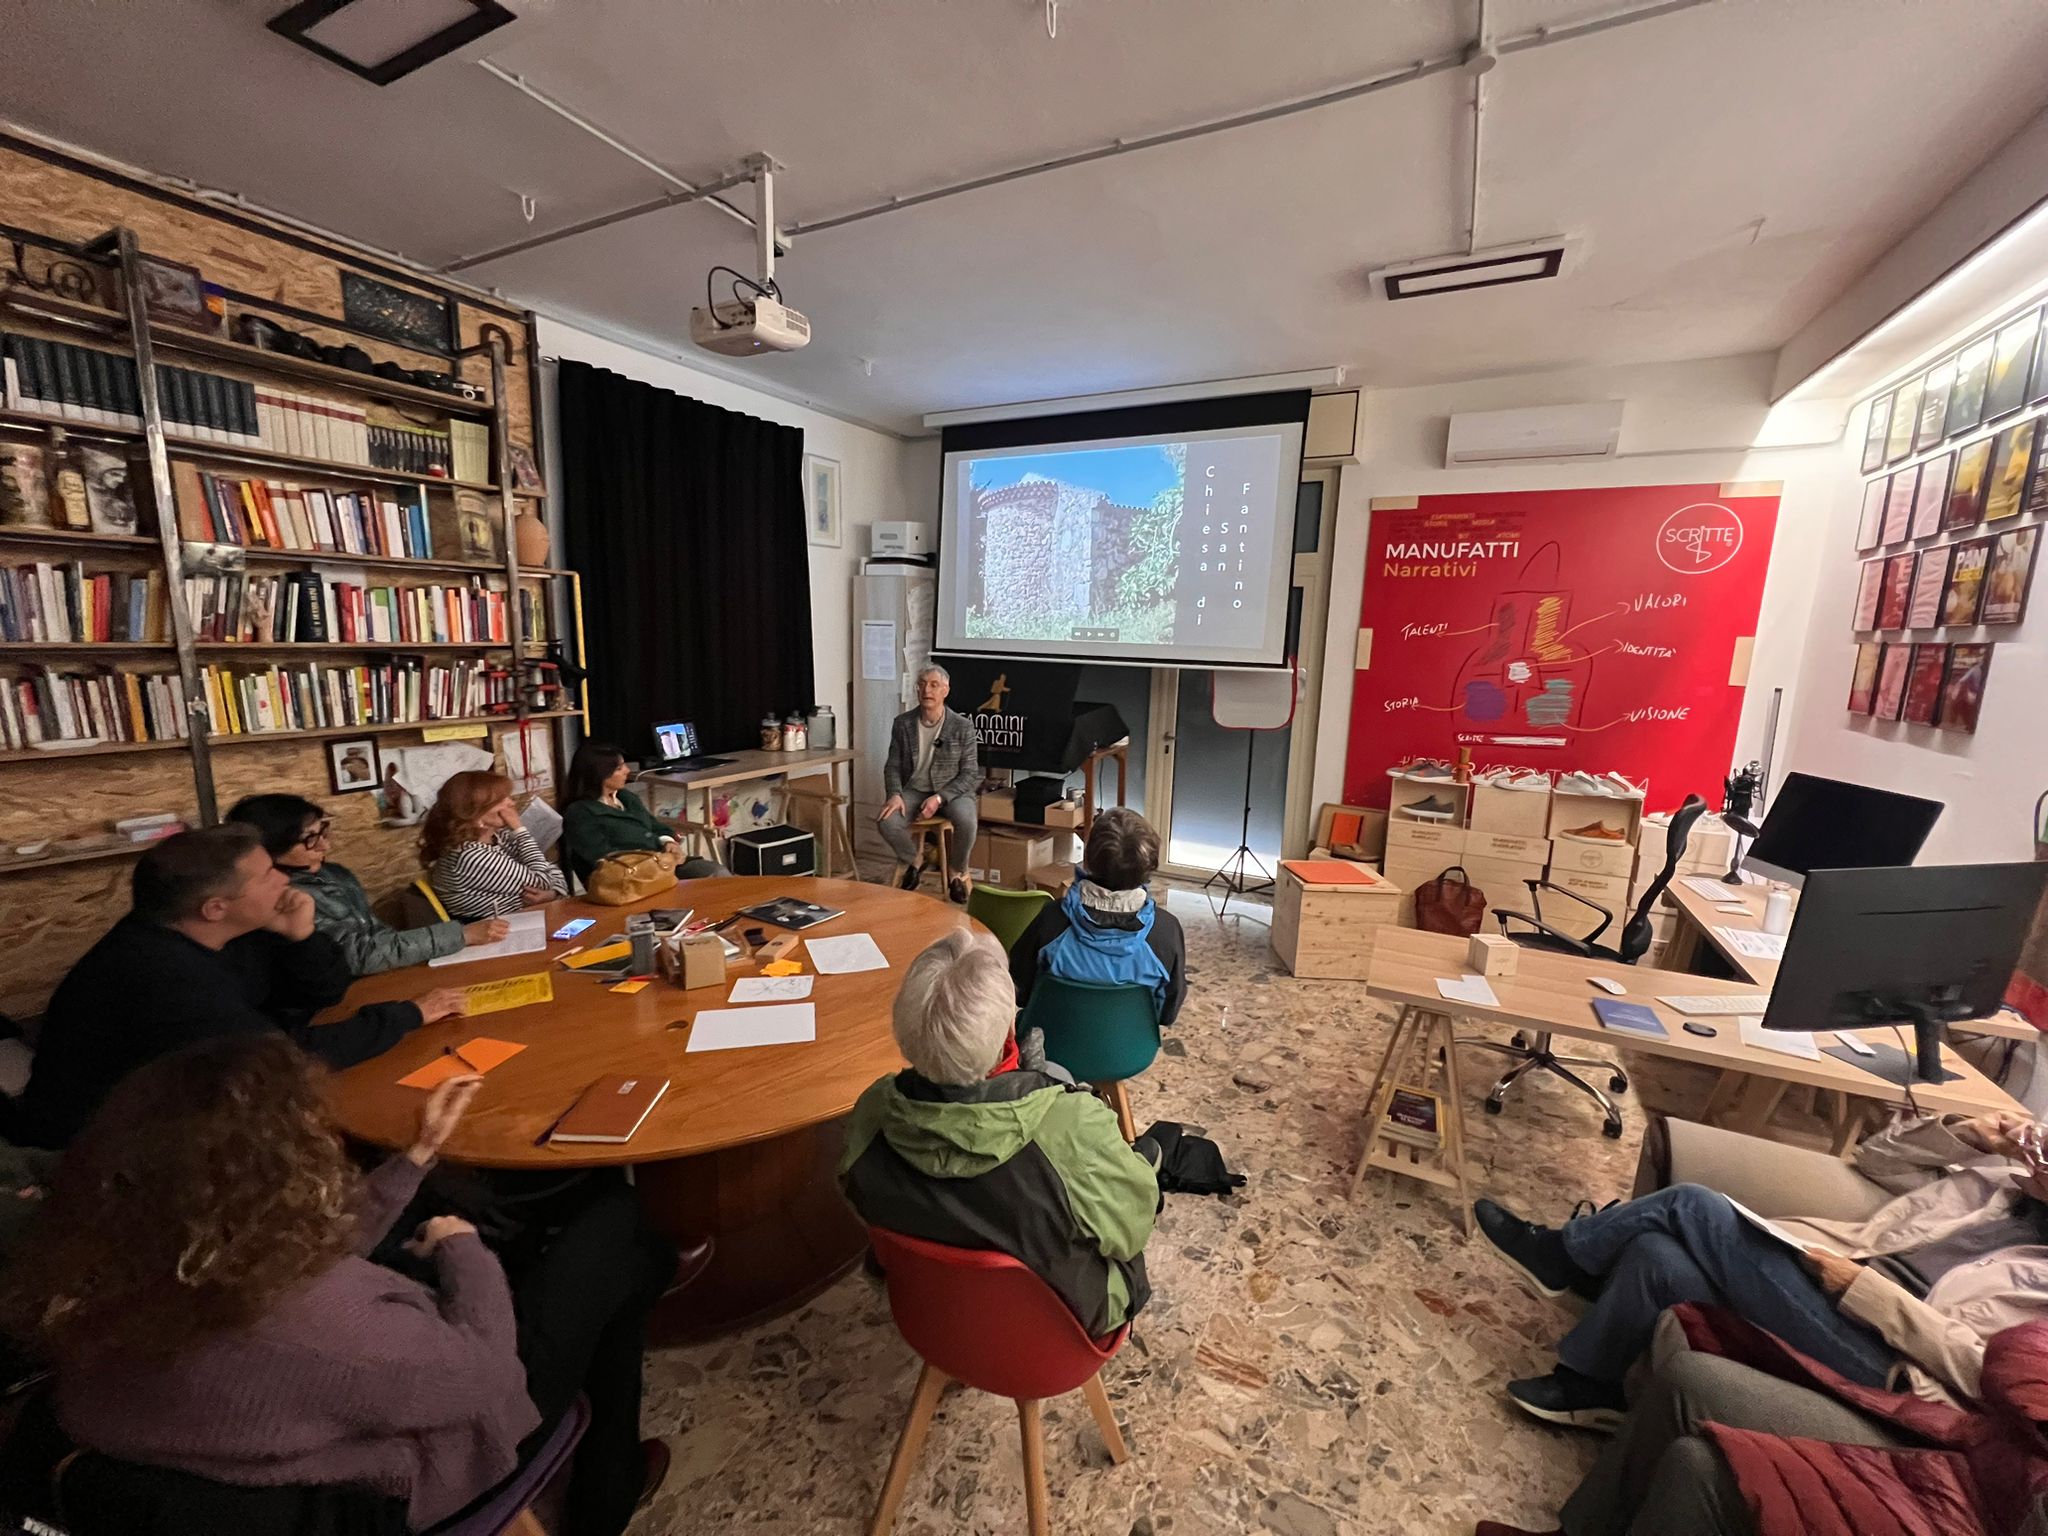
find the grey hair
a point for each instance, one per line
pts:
(956, 1008)
(933, 669)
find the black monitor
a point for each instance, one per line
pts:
(1879, 948)
(1819, 823)
(675, 738)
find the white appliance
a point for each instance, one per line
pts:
(1539, 434)
(899, 538)
(743, 327)
(893, 605)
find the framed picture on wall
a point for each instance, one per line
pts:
(1905, 417)
(821, 499)
(1870, 522)
(1877, 433)
(2012, 356)
(1869, 584)
(1930, 500)
(1964, 600)
(352, 766)
(2037, 488)
(1934, 404)
(2010, 574)
(1897, 595)
(1898, 505)
(1923, 684)
(1891, 682)
(1929, 582)
(2037, 389)
(2012, 455)
(1962, 689)
(1966, 395)
(1863, 682)
(1966, 490)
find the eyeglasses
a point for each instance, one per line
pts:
(316, 834)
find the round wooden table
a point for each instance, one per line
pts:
(743, 1148)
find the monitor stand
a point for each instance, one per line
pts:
(1895, 1066)
(1930, 1024)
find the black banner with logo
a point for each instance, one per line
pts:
(1023, 711)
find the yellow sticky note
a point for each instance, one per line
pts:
(782, 968)
(478, 1055)
(628, 988)
(509, 992)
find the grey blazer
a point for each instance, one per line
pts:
(956, 756)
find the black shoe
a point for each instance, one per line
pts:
(958, 890)
(1566, 1397)
(1536, 1253)
(912, 877)
(1587, 1288)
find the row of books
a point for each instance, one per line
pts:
(276, 514)
(315, 695)
(305, 607)
(63, 602)
(95, 388)
(45, 708)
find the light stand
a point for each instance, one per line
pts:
(1742, 827)
(1232, 874)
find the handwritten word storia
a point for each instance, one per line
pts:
(1408, 703)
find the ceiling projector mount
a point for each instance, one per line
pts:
(754, 319)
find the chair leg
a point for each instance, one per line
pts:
(1119, 1097)
(1105, 1420)
(1034, 1466)
(930, 1383)
(1613, 1126)
(526, 1523)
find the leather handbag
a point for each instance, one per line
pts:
(621, 879)
(1450, 903)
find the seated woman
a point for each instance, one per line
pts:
(1107, 928)
(601, 817)
(295, 834)
(1020, 1163)
(480, 860)
(197, 1281)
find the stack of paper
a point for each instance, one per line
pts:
(526, 934)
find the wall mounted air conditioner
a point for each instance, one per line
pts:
(1539, 434)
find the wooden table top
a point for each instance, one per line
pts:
(1551, 992)
(1752, 895)
(716, 1099)
(752, 764)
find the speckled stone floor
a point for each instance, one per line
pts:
(1309, 1366)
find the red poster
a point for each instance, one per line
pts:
(1593, 629)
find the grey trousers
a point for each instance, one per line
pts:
(1660, 1477)
(960, 812)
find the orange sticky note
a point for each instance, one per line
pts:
(782, 968)
(628, 988)
(482, 1054)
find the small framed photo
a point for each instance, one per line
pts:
(821, 499)
(1966, 490)
(2012, 355)
(1929, 582)
(2037, 390)
(1931, 499)
(1934, 404)
(1905, 417)
(2010, 574)
(174, 293)
(1898, 505)
(1962, 690)
(1877, 433)
(1863, 681)
(1923, 684)
(1896, 598)
(2012, 455)
(1868, 587)
(2037, 489)
(525, 473)
(353, 766)
(1966, 395)
(1964, 600)
(1891, 682)
(1870, 522)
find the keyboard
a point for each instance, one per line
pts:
(1725, 1003)
(686, 764)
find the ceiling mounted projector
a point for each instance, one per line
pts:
(745, 325)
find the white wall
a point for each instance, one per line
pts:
(1686, 423)
(881, 477)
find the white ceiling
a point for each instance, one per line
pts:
(1729, 169)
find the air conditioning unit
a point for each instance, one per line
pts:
(1537, 435)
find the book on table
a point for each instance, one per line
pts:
(611, 1109)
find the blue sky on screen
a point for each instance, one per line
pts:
(1130, 477)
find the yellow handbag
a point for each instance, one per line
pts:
(621, 879)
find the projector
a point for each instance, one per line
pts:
(743, 327)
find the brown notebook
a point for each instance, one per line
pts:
(611, 1109)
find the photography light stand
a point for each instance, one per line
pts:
(1232, 874)
(1249, 701)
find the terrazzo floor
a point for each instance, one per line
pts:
(1309, 1366)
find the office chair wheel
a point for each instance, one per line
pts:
(1611, 1129)
(1617, 1083)
(1494, 1106)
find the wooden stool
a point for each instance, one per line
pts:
(922, 829)
(834, 812)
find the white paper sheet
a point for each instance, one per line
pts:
(877, 650)
(770, 989)
(1788, 1042)
(543, 821)
(1468, 989)
(1770, 1228)
(844, 953)
(528, 936)
(734, 1029)
(1854, 1042)
(1753, 942)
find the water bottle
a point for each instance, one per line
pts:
(1778, 908)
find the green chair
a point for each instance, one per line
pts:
(1102, 1034)
(1006, 914)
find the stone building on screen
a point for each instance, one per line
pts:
(1049, 551)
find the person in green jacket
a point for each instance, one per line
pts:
(295, 833)
(1017, 1162)
(601, 817)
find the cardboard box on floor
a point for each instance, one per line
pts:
(1707, 850)
(1518, 812)
(1007, 858)
(1325, 928)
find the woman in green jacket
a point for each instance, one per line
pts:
(601, 817)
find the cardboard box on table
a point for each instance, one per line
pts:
(1582, 856)
(1707, 850)
(1624, 813)
(1567, 916)
(1327, 914)
(1524, 812)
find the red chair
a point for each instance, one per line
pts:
(985, 1320)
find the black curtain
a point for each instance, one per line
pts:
(687, 524)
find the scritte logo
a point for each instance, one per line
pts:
(1700, 538)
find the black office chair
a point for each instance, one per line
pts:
(1636, 934)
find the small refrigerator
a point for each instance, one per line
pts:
(893, 603)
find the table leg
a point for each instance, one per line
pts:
(1453, 1115)
(1684, 947)
(1372, 1097)
(1759, 1100)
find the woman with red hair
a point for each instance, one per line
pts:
(479, 859)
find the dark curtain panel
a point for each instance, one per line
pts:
(687, 524)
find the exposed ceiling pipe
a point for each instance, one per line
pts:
(1479, 60)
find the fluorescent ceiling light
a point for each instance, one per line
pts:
(1528, 263)
(386, 40)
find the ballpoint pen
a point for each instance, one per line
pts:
(456, 1052)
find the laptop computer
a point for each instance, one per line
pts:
(675, 748)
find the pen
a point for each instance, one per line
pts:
(455, 1051)
(542, 1139)
(576, 950)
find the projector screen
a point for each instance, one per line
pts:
(1171, 546)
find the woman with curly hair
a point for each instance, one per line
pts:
(479, 859)
(198, 1282)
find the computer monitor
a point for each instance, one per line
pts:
(1877, 948)
(1819, 823)
(675, 738)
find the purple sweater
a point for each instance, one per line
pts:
(357, 1376)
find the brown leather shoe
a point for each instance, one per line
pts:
(656, 1455)
(691, 1262)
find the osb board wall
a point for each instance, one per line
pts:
(50, 917)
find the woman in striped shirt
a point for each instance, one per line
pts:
(480, 860)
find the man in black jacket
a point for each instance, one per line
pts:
(216, 942)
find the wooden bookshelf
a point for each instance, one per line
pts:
(260, 359)
(20, 866)
(235, 453)
(348, 647)
(396, 727)
(96, 749)
(397, 564)
(135, 543)
(14, 419)
(35, 648)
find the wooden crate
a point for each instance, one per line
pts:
(1325, 929)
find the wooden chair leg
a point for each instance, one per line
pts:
(1105, 1420)
(526, 1523)
(930, 1384)
(1120, 1098)
(1034, 1467)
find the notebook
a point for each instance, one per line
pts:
(1630, 1018)
(611, 1109)
(1328, 872)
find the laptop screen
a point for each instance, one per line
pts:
(677, 738)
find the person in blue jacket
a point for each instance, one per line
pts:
(1107, 928)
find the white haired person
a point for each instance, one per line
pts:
(1019, 1163)
(933, 769)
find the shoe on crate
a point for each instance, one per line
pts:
(1576, 783)
(1596, 832)
(1431, 768)
(1435, 808)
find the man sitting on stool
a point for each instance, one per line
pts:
(933, 769)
